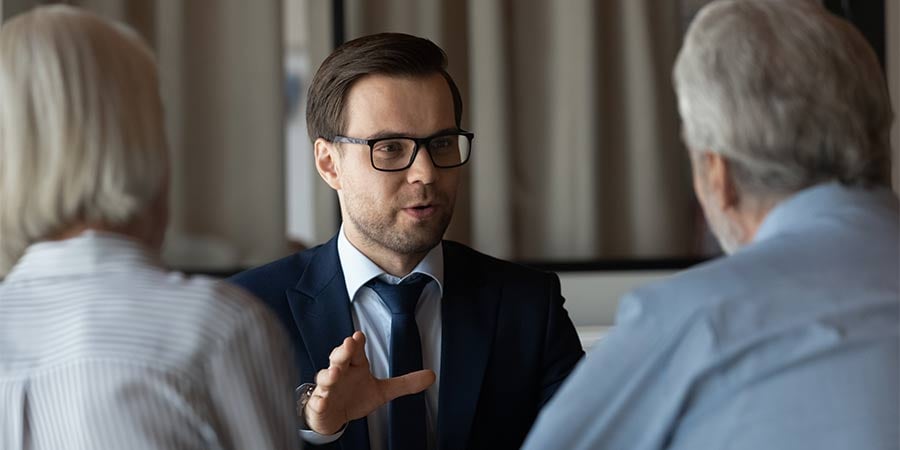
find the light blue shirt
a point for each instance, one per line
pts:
(373, 318)
(790, 343)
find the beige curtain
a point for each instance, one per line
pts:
(222, 80)
(577, 148)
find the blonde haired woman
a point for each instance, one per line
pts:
(101, 348)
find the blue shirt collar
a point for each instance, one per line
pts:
(359, 269)
(805, 208)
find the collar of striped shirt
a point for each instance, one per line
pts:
(89, 252)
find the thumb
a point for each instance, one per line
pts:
(411, 383)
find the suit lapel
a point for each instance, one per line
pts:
(320, 305)
(321, 310)
(469, 316)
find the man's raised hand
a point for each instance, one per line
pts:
(347, 390)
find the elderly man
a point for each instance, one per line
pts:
(792, 340)
(385, 116)
(100, 347)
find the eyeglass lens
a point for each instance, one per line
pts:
(445, 151)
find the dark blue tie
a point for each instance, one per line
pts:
(406, 423)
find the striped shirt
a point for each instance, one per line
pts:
(100, 348)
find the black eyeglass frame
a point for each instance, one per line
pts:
(419, 143)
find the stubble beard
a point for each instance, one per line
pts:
(382, 228)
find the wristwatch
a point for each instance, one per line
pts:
(303, 394)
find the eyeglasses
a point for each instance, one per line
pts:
(393, 154)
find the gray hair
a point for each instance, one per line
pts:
(789, 94)
(81, 127)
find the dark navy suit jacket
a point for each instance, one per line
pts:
(507, 343)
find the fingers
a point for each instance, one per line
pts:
(359, 357)
(342, 354)
(351, 351)
(411, 383)
(326, 378)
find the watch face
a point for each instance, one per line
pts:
(302, 394)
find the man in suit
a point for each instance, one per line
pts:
(492, 336)
(792, 340)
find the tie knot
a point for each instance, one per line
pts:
(401, 298)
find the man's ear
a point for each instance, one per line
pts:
(721, 187)
(328, 162)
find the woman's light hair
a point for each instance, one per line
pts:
(791, 95)
(81, 128)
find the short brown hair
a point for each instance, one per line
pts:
(382, 54)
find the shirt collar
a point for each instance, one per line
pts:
(359, 269)
(89, 252)
(805, 208)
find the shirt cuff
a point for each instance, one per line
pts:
(314, 438)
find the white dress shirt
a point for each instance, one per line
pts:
(101, 348)
(373, 318)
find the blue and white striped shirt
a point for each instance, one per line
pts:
(100, 348)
